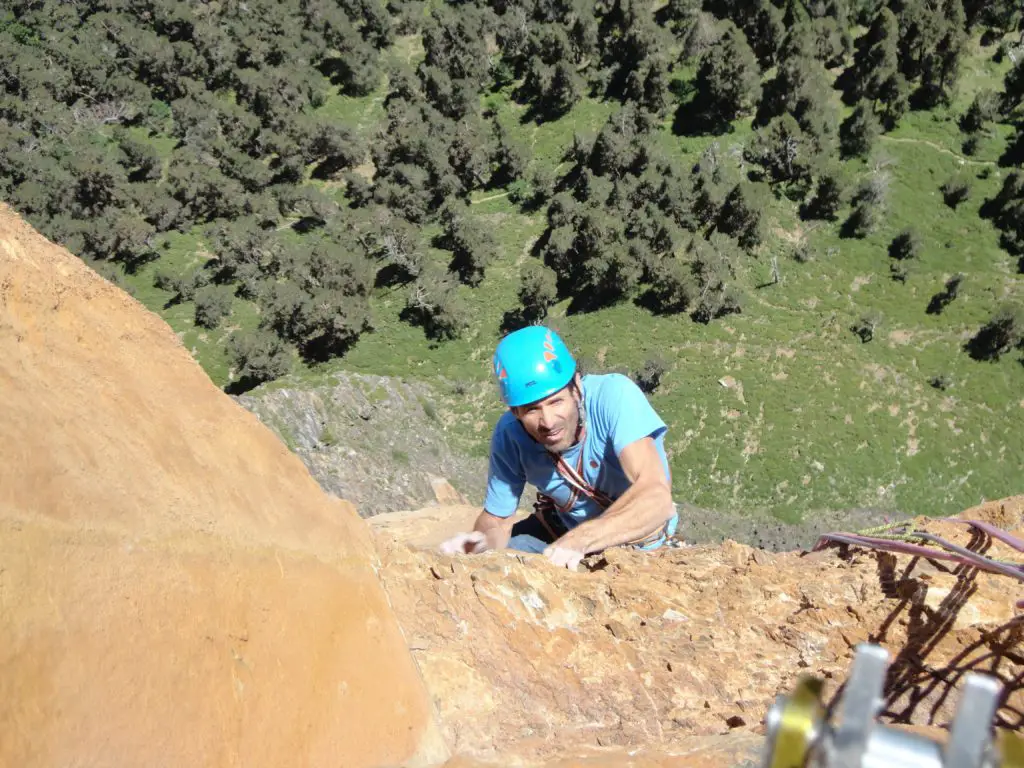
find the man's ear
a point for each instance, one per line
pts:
(577, 386)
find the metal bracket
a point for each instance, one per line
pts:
(799, 736)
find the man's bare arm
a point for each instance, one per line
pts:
(642, 509)
(498, 530)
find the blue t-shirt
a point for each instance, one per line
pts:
(617, 414)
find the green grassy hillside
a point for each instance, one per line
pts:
(780, 408)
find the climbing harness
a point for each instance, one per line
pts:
(545, 507)
(799, 734)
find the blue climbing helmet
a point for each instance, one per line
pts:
(531, 364)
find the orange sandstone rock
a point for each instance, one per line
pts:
(650, 651)
(175, 588)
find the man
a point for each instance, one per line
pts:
(591, 445)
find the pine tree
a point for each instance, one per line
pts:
(1013, 89)
(801, 88)
(762, 23)
(742, 214)
(829, 195)
(728, 82)
(537, 291)
(858, 132)
(940, 66)
(875, 74)
(472, 245)
(782, 149)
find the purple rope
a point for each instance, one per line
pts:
(1007, 569)
(991, 530)
(962, 556)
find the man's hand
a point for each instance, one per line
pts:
(471, 543)
(563, 556)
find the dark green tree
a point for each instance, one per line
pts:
(1006, 210)
(212, 304)
(258, 356)
(1013, 89)
(761, 21)
(859, 131)
(1000, 16)
(672, 285)
(801, 88)
(983, 110)
(140, 160)
(869, 206)
(470, 241)
(713, 290)
(1003, 331)
(510, 157)
(950, 291)
(906, 245)
(434, 304)
(875, 74)
(829, 196)
(537, 291)
(742, 215)
(319, 299)
(455, 67)
(783, 151)
(728, 82)
(955, 190)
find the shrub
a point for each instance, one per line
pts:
(213, 304)
(905, 245)
(1003, 332)
(648, 377)
(258, 356)
(866, 326)
(955, 191)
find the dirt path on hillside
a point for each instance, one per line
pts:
(489, 197)
(940, 148)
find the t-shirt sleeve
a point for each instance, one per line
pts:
(626, 413)
(505, 476)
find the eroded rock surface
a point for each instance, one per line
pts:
(653, 650)
(175, 590)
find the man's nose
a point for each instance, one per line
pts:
(545, 418)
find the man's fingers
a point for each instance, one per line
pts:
(563, 557)
(452, 546)
(471, 543)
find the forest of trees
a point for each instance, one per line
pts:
(121, 121)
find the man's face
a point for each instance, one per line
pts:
(552, 421)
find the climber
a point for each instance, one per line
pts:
(591, 445)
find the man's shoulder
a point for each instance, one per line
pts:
(599, 386)
(507, 430)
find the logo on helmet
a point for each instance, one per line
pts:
(549, 348)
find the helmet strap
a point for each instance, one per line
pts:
(581, 410)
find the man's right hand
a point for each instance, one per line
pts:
(471, 543)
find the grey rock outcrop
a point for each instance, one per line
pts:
(379, 442)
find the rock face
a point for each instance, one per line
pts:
(374, 440)
(655, 650)
(175, 588)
